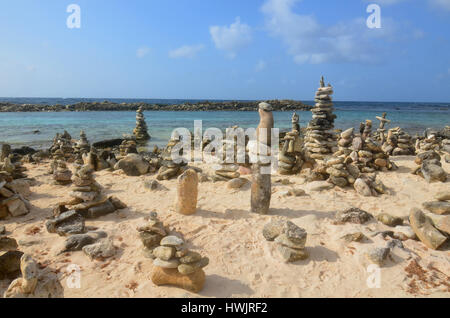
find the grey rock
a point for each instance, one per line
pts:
(292, 255)
(66, 223)
(8, 244)
(10, 264)
(438, 207)
(378, 255)
(353, 215)
(164, 253)
(432, 172)
(100, 250)
(174, 263)
(442, 196)
(172, 241)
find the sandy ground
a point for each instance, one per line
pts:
(242, 262)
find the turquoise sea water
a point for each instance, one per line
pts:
(17, 128)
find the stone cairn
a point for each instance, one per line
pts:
(12, 193)
(127, 147)
(430, 167)
(81, 147)
(320, 140)
(173, 263)
(86, 198)
(169, 169)
(227, 170)
(290, 239)
(61, 174)
(14, 169)
(398, 143)
(99, 161)
(140, 132)
(368, 154)
(62, 147)
(290, 158)
(380, 134)
(261, 190)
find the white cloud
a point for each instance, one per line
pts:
(385, 2)
(141, 52)
(310, 42)
(260, 66)
(186, 51)
(231, 38)
(441, 4)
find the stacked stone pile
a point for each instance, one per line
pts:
(12, 197)
(290, 239)
(127, 147)
(82, 146)
(61, 174)
(398, 143)
(62, 147)
(169, 169)
(430, 167)
(174, 264)
(14, 169)
(99, 161)
(320, 140)
(140, 132)
(290, 158)
(87, 199)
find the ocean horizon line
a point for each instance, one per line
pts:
(11, 99)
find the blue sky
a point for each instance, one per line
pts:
(226, 49)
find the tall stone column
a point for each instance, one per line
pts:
(261, 187)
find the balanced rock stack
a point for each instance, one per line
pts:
(427, 144)
(140, 132)
(290, 158)
(87, 199)
(290, 239)
(345, 142)
(127, 147)
(399, 143)
(61, 174)
(173, 263)
(430, 167)
(14, 169)
(320, 140)
(62, 148)
(380, 134)
(82, 146)
(169, 169)
(99, 161)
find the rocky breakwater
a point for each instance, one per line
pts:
(174, 264)
(320, 142)
(290, 239)
(279, 105)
